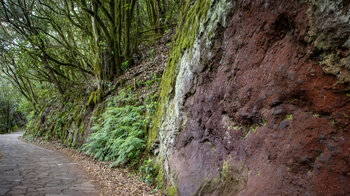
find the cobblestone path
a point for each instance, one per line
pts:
(26, 169)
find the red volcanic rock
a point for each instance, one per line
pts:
(266, 118)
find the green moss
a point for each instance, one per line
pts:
(94, 98)
(225, 170)
(211, 145)
(254, 127)
(159, 180)
(289, 116)
(69, 141)
(171, 191)
(323, 45)
(333, 122)
(228, 182)
(258, 173)
(331, 60)
(186, 32)
(98, 111)
(82, 128)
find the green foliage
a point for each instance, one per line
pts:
(94, 98)
(70, 45)
(32, 127)
(316, 115)
(61, 121)
(120, 135)
(289, 116)
(148, 171)
(125, 66)
(102, 45)
(152, 55)
(10, 114)
(171, 191)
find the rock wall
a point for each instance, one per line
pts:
(257, 102)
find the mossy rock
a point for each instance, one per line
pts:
(186, 32)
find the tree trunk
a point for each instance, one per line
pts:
(127, 34)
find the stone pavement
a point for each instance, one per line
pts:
(26, 169)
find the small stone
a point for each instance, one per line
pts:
(331, 147)
(275, 126)
(278, 112)
(321, 137)
(276, 102)
(284, 124)
(245, 115)
(282, 68)
(255, 110)
(291, 75)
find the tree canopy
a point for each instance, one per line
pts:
(54, 46)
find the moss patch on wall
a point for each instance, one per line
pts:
(64, 122)
(186, 32)
(171, 191)
(229, 181)
(329, 36)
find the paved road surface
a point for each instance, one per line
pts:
(26, 169)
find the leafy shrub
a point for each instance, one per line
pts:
(125, 66)
(148, 171)
(120, 134)
(32, 127)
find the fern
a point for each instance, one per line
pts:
(120, 135)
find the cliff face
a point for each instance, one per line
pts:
(257, 101)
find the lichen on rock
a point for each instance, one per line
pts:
(329, 33)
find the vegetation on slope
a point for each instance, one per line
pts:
(67, 60)
(11, 116)
(120, 133)
(64, 57)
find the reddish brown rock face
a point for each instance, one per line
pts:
(264, 108)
